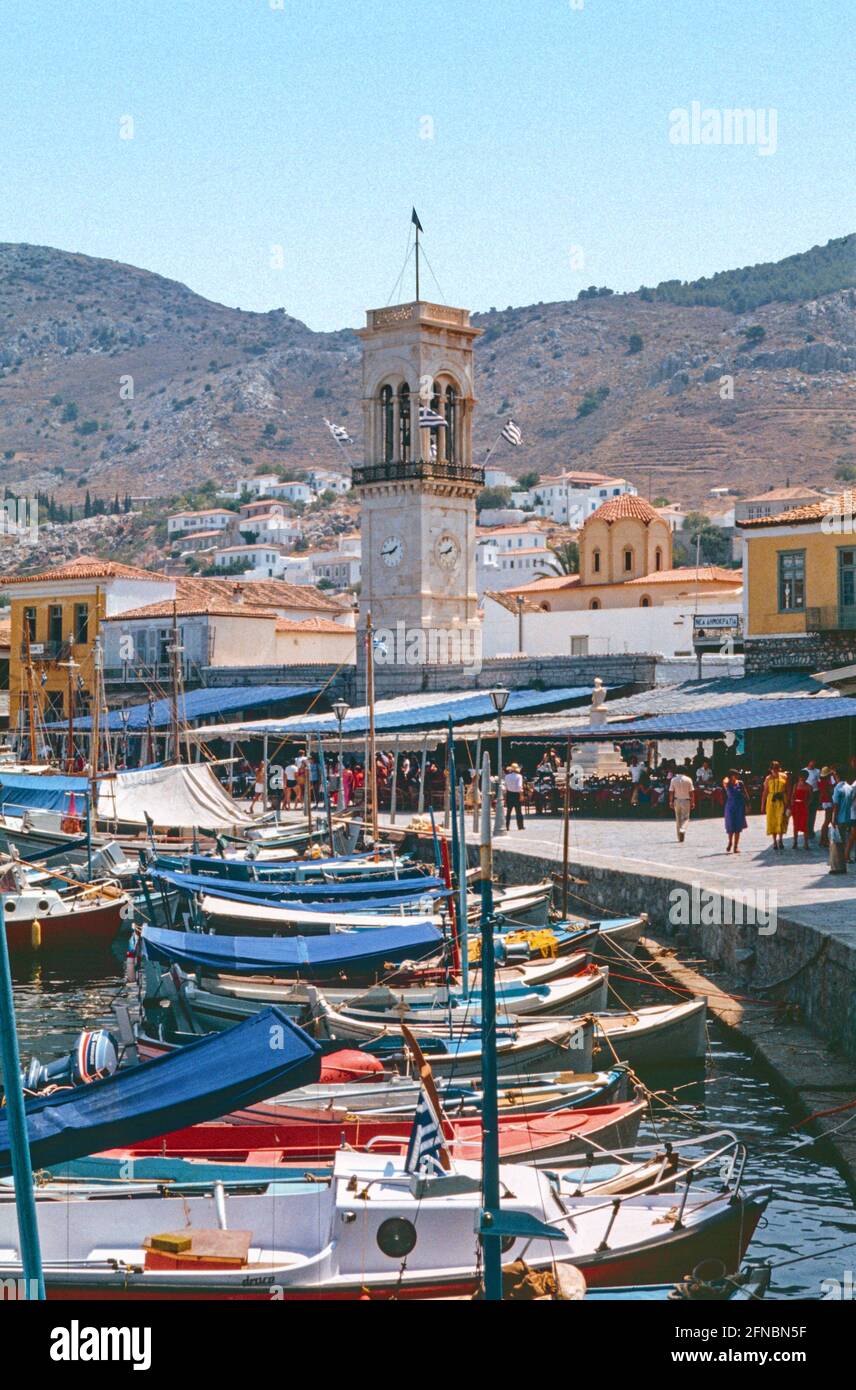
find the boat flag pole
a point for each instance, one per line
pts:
(22, 1168)
(491, 1244)
(463, 924)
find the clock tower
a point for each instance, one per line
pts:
(417, 488)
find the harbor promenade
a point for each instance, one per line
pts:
(780, 924)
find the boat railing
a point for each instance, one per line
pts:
(731, 1155)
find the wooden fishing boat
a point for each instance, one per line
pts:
(208, 1078)
(44, 921)
(660, 1036)
(373, 1231)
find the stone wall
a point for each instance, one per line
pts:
(799, 963)
(517, 673)
(814, 651)
(342, 678)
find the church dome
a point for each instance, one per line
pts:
(626, 507)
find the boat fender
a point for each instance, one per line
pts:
(36, 934)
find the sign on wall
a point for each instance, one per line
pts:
(717, 632)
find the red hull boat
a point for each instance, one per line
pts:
(77, 924)
(301, 1136)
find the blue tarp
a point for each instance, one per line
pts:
(337, 894)
(424, 712)
(314, 957)
(724, 719)
(209, 703)
(48, 792)
(201, 1081)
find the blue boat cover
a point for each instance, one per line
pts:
(257, 1059)
(310, 956)
(352, 894)
(48, 792)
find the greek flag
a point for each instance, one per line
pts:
(429, 419)
(513, 434)
(339, 433)
(426, 1151)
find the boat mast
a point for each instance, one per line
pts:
(95, 726)
(19, 1139)
(491, 1244)
(174, 653)
(371, 774)
(565, 833)
(31, 692)
(71, 666)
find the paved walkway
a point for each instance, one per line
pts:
(804, 887)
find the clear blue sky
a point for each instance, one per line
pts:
(300, 127)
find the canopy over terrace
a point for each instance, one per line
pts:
(194, 705)
(421, 718)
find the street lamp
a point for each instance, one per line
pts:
(341, 709)
(499, 698)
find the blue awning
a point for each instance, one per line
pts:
(426, 711)
(210, 703)
(724, 719)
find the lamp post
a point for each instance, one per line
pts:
(125, 715)
(520, 602)
(341, 709)
(499, 697)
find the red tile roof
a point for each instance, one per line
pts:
(842, 505)
(620, 508)
(84, 567)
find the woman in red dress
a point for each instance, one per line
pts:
(799, 809)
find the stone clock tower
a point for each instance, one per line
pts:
(417, 489)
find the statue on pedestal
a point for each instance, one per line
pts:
(597, 714)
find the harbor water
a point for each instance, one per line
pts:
(812, 1210)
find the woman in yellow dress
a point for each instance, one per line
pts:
(775, 800)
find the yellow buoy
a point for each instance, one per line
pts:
(36, 934)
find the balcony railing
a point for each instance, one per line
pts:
(132, 673)
(47, 651)
(419, 470)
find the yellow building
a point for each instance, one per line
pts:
(800, 583)
(626, 562)
(57, 616)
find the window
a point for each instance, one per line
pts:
(450, 412)
(30, 624)
(404, 423)
(595, 604)
(55, 625)
(644, 601)
(595, 560)
(658, 558)
(387, 417)
(627, 559)
(81, 623)
(791, 581)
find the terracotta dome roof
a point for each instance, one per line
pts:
(619, 508)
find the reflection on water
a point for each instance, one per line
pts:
(811, 1211)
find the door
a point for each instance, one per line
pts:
(847, 588)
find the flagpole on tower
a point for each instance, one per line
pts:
(418, 225)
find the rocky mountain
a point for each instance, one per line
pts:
(113, 379)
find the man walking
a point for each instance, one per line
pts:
(812, 777)
(513, 794)
(682, 801)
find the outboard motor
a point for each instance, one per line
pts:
(95, 1054)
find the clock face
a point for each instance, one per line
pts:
(447, 551)
(392, 551)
